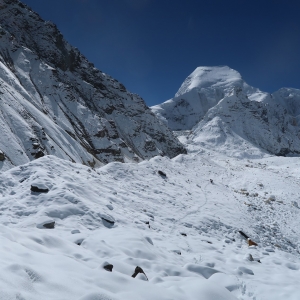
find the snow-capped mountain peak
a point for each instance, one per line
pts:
(200, 91)
(221, 77)
(222, 111)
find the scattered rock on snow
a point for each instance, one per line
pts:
(161, 173)
(74, 231)
(138, 270)
(107, 266)
(45, 222)
(50, 225)
(39, 188)
(108, 219)
(251, 243)
(294, 203)
(2, 156)
(243, 234)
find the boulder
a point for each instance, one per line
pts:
(161, 173)
(2, 156)
(251, 243)
(49, 225)
(39, 188)
(138, 270)
(108, 267)
(45, 222)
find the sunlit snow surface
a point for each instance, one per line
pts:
(214, 264)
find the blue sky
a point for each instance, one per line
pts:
(151, 46)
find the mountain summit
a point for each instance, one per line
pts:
(54, 101)
(200, 91)
(222, 111)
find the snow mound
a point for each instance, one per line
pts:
(150, 214)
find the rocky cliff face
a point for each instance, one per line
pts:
(54, 101)
(223, 112)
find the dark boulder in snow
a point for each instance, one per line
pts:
(161, 173)
(39, 188)
(107, 266)
(45, 222)
(138, 270)
(2, 156)
(49, 225)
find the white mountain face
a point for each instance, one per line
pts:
(224, 112)
(54, 101)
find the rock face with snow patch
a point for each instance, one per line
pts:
(224, 112)
(54, 101)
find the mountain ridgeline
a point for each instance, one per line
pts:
(54, 101)
(220, 111)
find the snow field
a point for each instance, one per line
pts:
(192, 249)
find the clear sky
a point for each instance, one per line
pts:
(151, 46)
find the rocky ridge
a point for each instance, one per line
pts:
(54, 101)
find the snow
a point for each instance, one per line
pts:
(54, 102)
(218, 110)
(178, 219)
(200, 91)
(182, 230)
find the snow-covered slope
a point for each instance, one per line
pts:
(181, 229)
(223, 112)
(54, 101)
